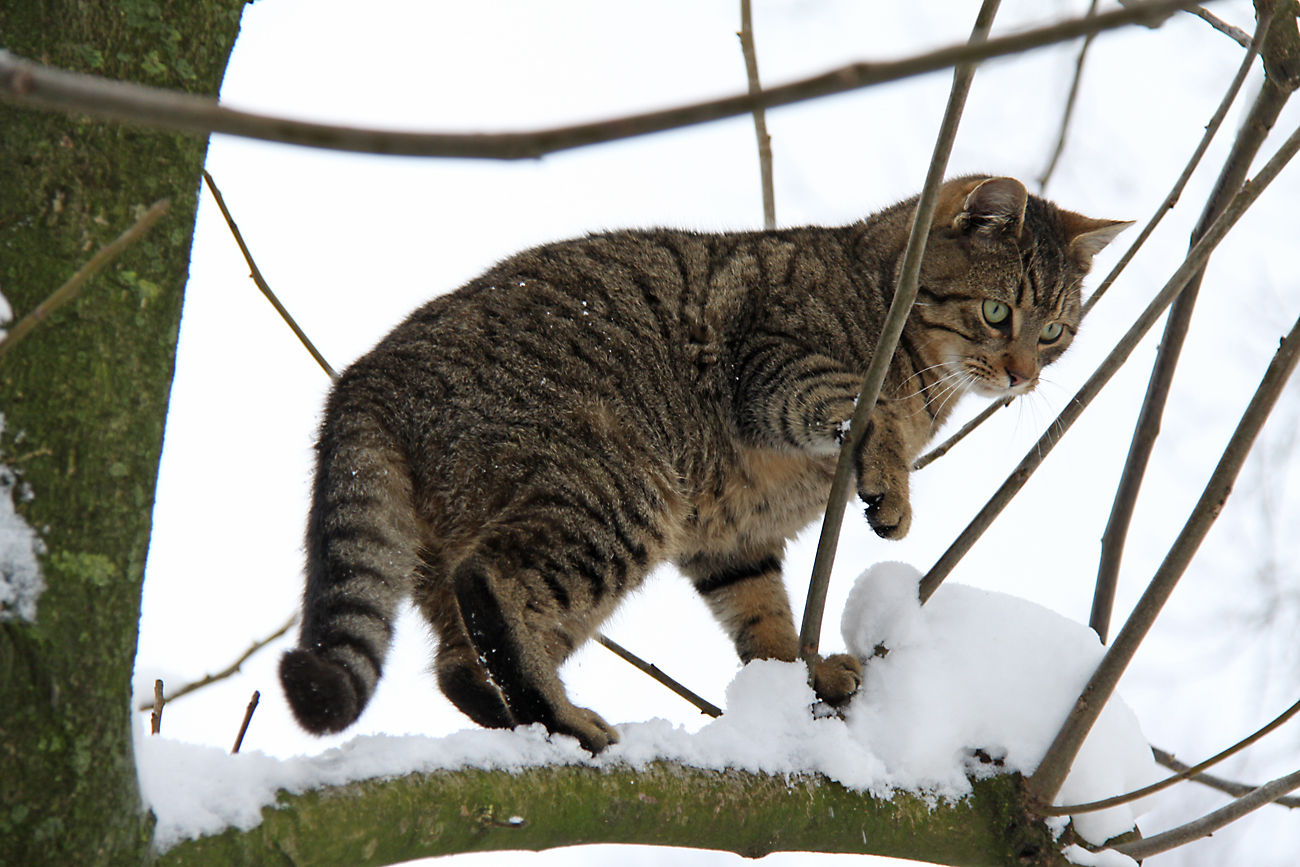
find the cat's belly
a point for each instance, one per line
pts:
(761, 498)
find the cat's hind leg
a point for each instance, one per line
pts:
(513, 603)
(746, 594)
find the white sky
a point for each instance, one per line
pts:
(351, 244)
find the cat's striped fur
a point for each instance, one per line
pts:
(519, 454)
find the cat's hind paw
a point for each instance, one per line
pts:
(836, 678)
(588, 727)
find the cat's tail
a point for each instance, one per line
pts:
(362, 543)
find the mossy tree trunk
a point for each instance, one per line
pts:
(84, 398)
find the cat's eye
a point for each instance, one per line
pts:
(995, 312)
(1051, 332)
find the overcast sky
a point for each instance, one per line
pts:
(353, 243)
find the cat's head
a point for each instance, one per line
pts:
(999, 295)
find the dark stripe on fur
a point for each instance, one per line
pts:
(727, 577)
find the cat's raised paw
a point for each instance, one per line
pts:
(837, 677)
(889, 515)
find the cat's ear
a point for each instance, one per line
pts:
(1087, 237)
(994, 206)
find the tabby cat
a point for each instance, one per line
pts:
(520, 453)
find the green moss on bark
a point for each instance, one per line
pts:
(382, 822)
(84, 399)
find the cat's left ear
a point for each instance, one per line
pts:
(1087, 237)
(995, 206)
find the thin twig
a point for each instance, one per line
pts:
(231, 669)
(70, 289)
(1207, 825)
(155, 719)
(261, 283)
(1069, 106)
(248, 717)
(1241, 36)
(628, 656)
(1185, 774)
(1038, 453)
(1249, 139)
(899, 308)
(30, 84)
(746, 35)
(942, 449)
(1051, 772)
(1230, 787)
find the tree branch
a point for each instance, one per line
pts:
(1229, 786)
(445, 812)
(1250, 138)
(1051, 773)
(760, 116)
(706, 707)
(1184, 774)
(262, 284)
(74, 284)
(233, 668)
(1069, 106)
(1207, 825)
(28, 84)
(899, 308)
(1038, 453)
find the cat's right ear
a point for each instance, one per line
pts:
(994, 206)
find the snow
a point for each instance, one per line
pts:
(972, 670)
(20, 573)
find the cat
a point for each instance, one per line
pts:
(520, 453)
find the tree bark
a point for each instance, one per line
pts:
(380, 822)
(84, 399)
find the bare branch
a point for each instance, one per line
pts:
(1207, 825)
(1229, 786)
(1051, 773)
(1038, 453)
(746, 35)
(29, 84)
(942, 449)
(899, 308)
(73, 286)
(248, 717)
(1184, 774)
(706, 707)
(261, 283)
(155, 719)
(1069, 106)
(1242, 37)
(233, 668)
(1250, 138)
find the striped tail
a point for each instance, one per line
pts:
(362, 544)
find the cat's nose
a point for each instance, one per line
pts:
(1016, 379)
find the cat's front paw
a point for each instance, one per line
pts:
(836, 678)
(888, 513)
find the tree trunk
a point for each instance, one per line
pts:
(84, 399)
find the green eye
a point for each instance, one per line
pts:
(995, 312)
(1051, 332)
